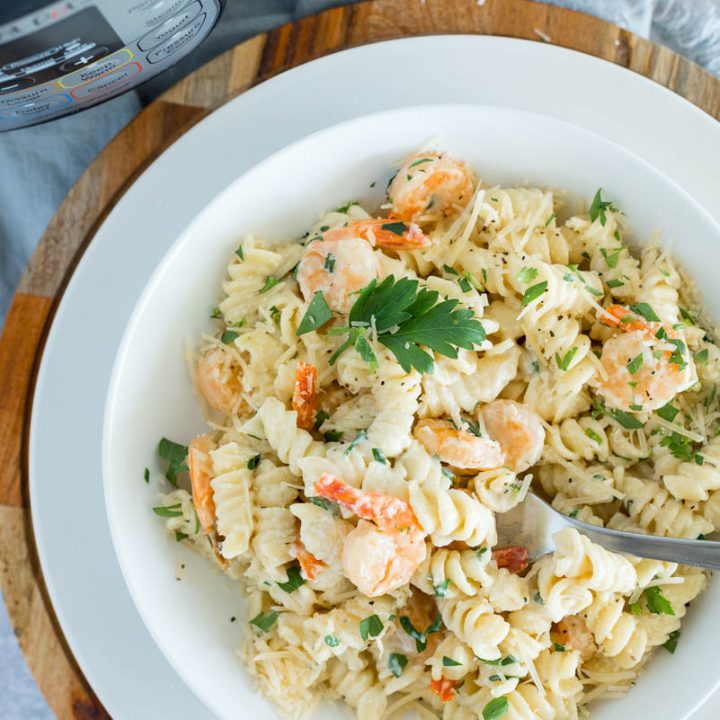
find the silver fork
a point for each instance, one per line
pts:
(533, 522)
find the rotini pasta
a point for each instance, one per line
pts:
(378, 390)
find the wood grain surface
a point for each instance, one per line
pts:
(154, 129)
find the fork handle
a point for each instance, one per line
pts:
(700, 553)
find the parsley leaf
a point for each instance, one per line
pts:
(239, 252)
(270, 282)
(331, 641)
(635, 364)
(370, 627)
(628, 421)
(320, 417)
(168, 511)
(668, 412)
(379, 456)
(180, 536)
(263, 621)
(405, 318)
(611, 258)
(294, 581)
(688, 319)
(496, 709)
(253, 462)
(146, 475)
(397, 663)
(440, 589)
(657, 603)
(564, 362)
(398, 228)
(593, 436)
(527, 274)
(615, 283)
(362, 435)
(332, 436)
(701, 357)
(534, 292)
(679, 446)
(420, 638)
(175, 454)
(598, 208)
(317, 314)
(645, 311)
(330, 263)
(449, 662)
(229, 336)
(671, 643)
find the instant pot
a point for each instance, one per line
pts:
(64, 57)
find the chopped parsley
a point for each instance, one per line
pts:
(317, 314)
(688, 319)
(681, 447)
(229, 336)
(362, 435)
(275, 313)
(449, 662)
(527, 274)
(320, 417)
(294, 580)
(253, 462)
(450, 270)
(379, 456)
(564, 362)
(668, 412)
(551, 217)
(612, 284)
(465, 282)
(322, 502)
(440, 589)
(496, 709)
(533, 293)
(593, 436)
(370, 627)
(146, 475)
(644, 310)
(263, 621)
(175, 454)
(701, 357)
(420, 638)
(330, 263)
(558, 647)
(633, 367)
(216, 313)
(168, 511)
(332, 436)
(344, 208)
(657, 603)
(331, 641)
(180, 536)
(611, 258)
(239, 252)
(598, 208)
(671, 643)
(420, 162)
(397, 228)
(270, 282)
(397, 663)
(406, 318)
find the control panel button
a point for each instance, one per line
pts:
(83, 59)
(40, 107)
(177, 41)
(161, 10)
(107, 82)
(16, 84)
(32, 95)
(97, 69)
(162, 33)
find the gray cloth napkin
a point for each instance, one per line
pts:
(39, 165)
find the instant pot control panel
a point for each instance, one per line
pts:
(74, 54)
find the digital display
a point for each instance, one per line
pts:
(56, 50)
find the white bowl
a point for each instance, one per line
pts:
(151, 396)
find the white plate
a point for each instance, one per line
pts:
(151, 395)
(101, 625)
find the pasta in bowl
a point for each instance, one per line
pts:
(375, 391)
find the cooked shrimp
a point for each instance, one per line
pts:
(645, 366)
(217, 380)
(200, 470)
(459, 448)
(519, 431)
(378, 556)
(383, 233)
(430, 182)
(304, 401)
(310, 566)
(573, 632)
(200, 467)
(337, 268)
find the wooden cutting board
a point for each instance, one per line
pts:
(154, 129)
